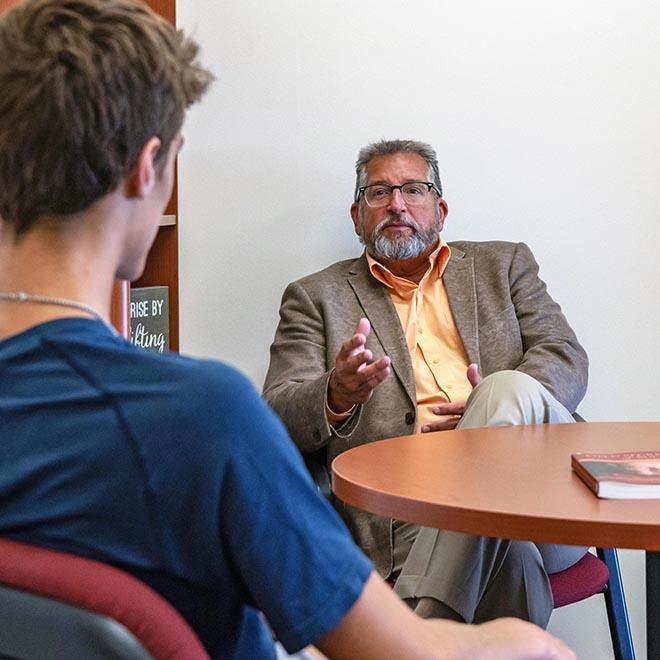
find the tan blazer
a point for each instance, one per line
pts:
(504, 315)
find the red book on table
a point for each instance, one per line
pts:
(623, 475)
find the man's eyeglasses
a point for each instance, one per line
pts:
(414, 193)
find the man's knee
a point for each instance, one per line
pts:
(509, 385)
(512, 397)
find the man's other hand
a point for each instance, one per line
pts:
(449, 414)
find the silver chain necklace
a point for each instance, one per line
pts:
(22, 296)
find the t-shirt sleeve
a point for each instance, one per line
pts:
(288, 547)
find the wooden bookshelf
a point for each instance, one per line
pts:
(162, 267)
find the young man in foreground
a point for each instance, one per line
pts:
(170, 468)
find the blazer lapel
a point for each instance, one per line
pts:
(378, 308)
(461, 292)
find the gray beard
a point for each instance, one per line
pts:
(402, 247)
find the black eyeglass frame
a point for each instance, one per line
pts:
(430, 184)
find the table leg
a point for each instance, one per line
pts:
(652, 604)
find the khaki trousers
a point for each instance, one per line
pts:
(484, 578)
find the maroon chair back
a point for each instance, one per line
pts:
(102, 589)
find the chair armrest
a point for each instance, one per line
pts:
(317, 466)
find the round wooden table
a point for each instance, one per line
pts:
(511, 482)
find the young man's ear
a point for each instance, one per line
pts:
(142, 178)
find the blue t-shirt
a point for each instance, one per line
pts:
(175, 470)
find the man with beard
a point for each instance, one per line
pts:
(420, 335)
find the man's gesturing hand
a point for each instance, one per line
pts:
(355, 375)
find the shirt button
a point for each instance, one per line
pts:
(410, 418)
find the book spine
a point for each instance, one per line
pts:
(581, 472)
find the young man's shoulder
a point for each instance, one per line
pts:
(203, 409)
(134, 377)
(192, 386)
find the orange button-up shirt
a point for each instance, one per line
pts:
(436, 350)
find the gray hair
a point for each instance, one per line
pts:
(388, 147)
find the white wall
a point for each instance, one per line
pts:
(546, 119)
